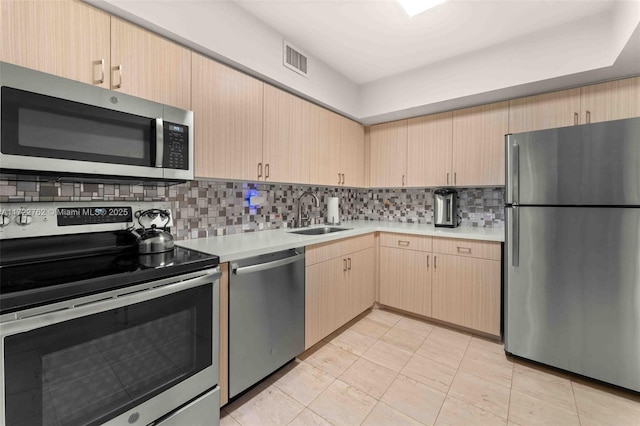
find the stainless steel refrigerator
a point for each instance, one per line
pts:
(572, 252)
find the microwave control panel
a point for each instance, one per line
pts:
(176, 146)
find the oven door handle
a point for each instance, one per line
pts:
(82, 307)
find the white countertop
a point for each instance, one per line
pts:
(239, 246)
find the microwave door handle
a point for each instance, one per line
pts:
(159, 142)
(448, 210)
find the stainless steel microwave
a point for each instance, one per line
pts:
(52, 126)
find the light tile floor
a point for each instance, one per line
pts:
(388, 369)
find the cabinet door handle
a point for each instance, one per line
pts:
(259, 170)
(339, 178)
(454, 177)
(575, 118)
(266, 171)
(427, 262)
(588, 116)
(101, 79)
(466, 250)
(435, 262)
(343, 178)
(402, 180)
(119, 85)
(447, 178)
(344, 265)
(349, 263)
(403, 243)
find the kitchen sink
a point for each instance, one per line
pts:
(319, 231)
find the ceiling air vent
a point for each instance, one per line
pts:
(294, 59)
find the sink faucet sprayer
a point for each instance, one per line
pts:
(299, 222)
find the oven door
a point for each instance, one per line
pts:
(129, 356)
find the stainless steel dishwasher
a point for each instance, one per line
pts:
(266, 316)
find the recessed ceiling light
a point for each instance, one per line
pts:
(414, 7)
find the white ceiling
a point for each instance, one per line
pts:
(367, 40)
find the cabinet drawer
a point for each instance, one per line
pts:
(405, 242)
(469, 248)
(320, 252)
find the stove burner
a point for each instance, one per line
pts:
(35, 283)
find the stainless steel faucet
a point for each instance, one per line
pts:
(299, 222)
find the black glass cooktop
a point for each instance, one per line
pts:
(56, 269)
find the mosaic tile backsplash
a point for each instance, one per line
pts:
(210, 208)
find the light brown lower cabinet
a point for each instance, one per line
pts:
(405, 280)
(458, 282)
(466, 292)
(337, 290)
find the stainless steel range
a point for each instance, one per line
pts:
(92, 331)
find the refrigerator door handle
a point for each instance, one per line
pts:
(515, 237)
(515, 168)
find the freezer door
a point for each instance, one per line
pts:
(573, 300)
(592, 164)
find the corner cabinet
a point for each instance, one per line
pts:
(388, 154)
(405, 263)
(339, 285)
(228, 126)
(67, 38)
(146, 65)
(478, 145)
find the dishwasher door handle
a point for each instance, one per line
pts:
(241, 270)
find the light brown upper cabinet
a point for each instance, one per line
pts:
(324, 147)
(478, 145)
(388, 154)
(336, 149)
(430, 146)
(66, 38)
(352, 153)
(286, 137)
(546, 111)
(227, 107)
(146, 65)
(613, 100)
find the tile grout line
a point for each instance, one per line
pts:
(466, 349)
(397, 373)
(575, 401)
(307, 406)
(396, 376)
(513, 371)
(555, 404)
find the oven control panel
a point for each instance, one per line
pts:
(24, 220)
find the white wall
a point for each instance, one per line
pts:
(223, 30)
(488, 75)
